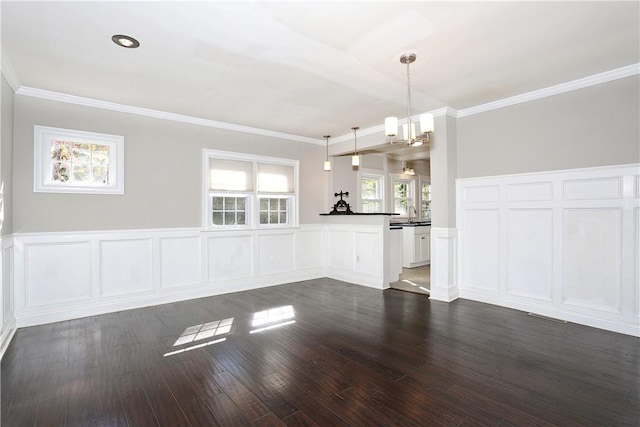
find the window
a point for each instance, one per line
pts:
(402, 196)
(371, 193)
(70, 161)
(249, 191)
(425, 201)
(229, 210)
(274, 210)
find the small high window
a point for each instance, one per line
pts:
(70, 161)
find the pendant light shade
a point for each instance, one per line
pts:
(355, 159)
(327, 163)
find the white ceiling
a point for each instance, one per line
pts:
(312, 68)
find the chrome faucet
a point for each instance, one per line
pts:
(414, 211)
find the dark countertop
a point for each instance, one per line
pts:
(401, 225)
(358, 213)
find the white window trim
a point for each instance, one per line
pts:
(253, 215)
(381, 182)
(42, 182)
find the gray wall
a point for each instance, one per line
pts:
(162, 170)
(595, 126)
(6, 154)
(345, 178)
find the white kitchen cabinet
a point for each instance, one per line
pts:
(416, 246)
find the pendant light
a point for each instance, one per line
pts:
(408, 170)
(409, 128)
(355, 159)
(327, 163)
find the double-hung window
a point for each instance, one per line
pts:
(249, 191)
(275, 193)
(371, 193)
(230, 190)
(425, 200)
(402, 196)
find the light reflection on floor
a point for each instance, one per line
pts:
(265, 320)
(272, 318)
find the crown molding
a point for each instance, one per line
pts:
(9, 72)
(607, 76)
(10, 75)
(112, 106)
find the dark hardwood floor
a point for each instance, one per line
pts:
(341, 355)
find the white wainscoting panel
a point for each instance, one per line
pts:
(309, 249)
(592, 258)
(60, 276)
(481, 193)
(356, 251)
(590, 189)
(340, 247)
(7, 319)
(529, 253)
(230, 256)
(126, 266)
(563, 244)
(368, 253)
(180, 261)
(481, 249)
(276, 252)
(444, 263)
(530, 192)
(57, 273)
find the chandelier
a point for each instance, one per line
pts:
(409, 128)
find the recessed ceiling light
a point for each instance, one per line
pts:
(125, 41)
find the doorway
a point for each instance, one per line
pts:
(416, 280)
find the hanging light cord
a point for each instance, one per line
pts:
(327, 144)
(355, 139)
(409, 102)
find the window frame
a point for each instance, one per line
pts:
(253, 196)
(381, 193)
(42, 182)
(410, 193)
(422, 181)
(236, 195)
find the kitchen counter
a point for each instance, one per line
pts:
(400, 225)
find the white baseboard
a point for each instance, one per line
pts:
(609, 325)
(202, 291)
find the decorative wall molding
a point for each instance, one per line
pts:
(562, 244)
(7, 318)
(444, 242)
(607, 76)
(120, 270)
(355, 254)
(9, 72)
(157, 114)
